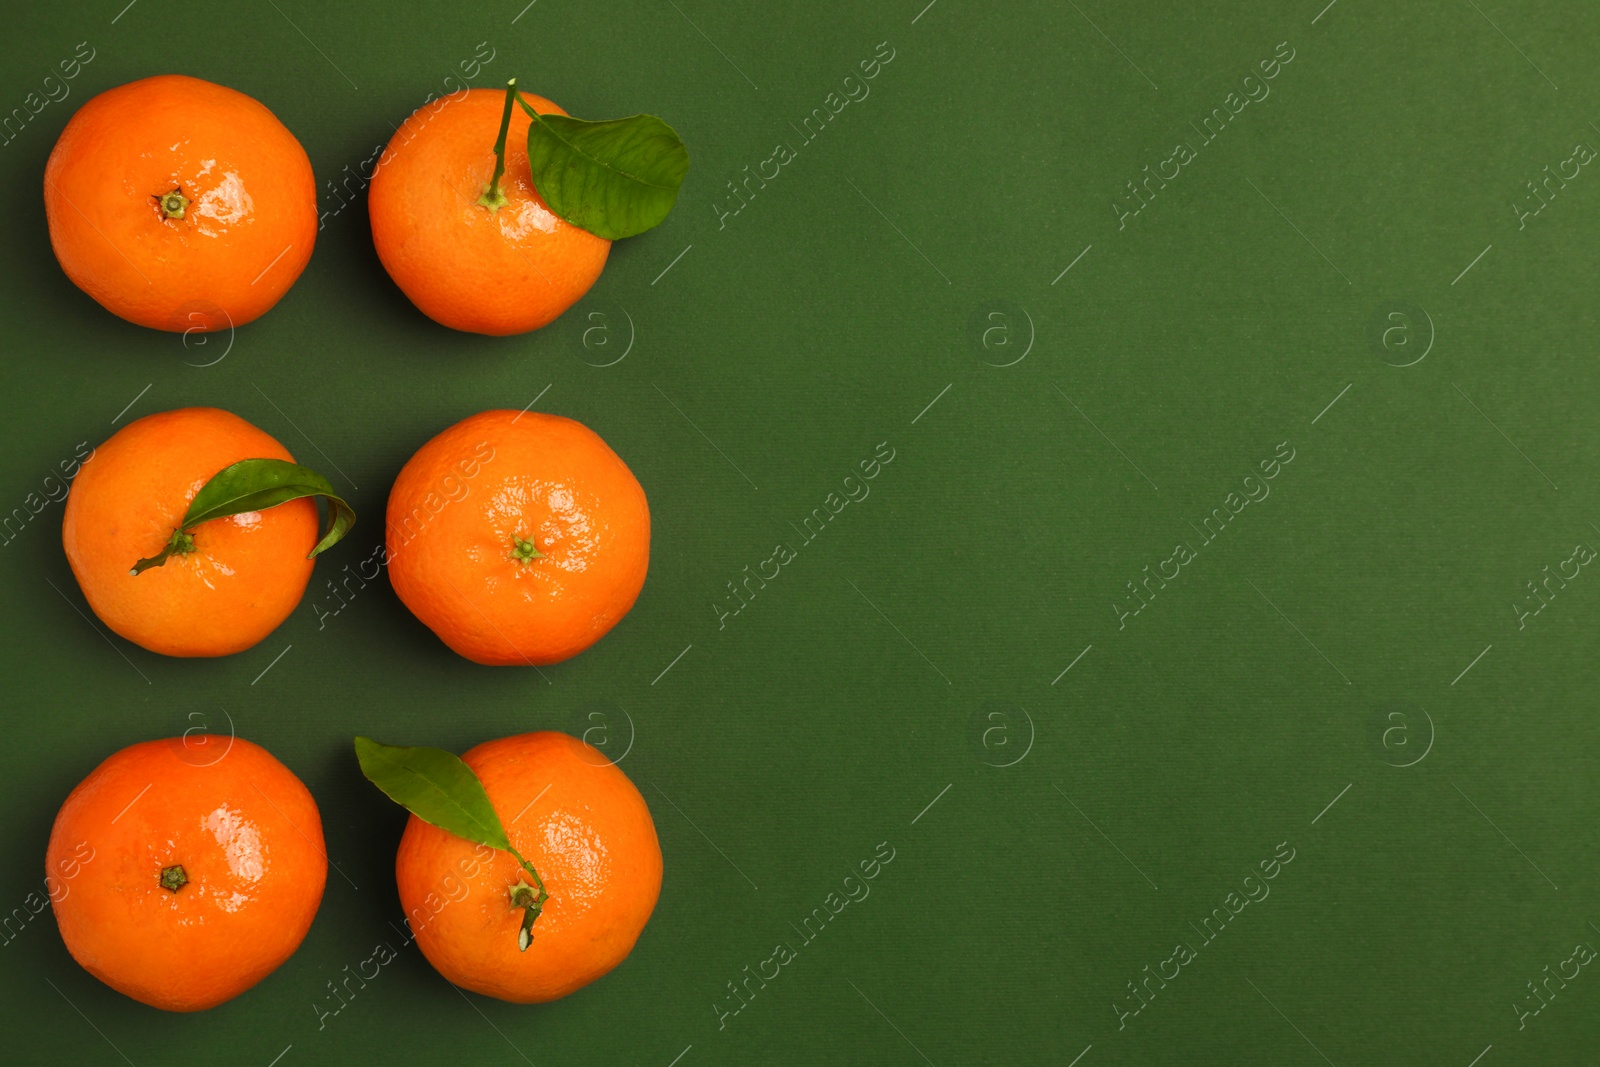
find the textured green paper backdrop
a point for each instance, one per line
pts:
(950, 267)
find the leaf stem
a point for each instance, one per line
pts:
(492, 197)
(543, 895)
(532, 114)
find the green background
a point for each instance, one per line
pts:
(1359, 618)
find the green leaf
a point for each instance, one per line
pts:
(615, 178)
(436, 787)
(258, 484)
(255, 485)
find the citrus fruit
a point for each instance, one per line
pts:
(485, 269)
(188, 869)
(517, 537)
(180, 204)
(243, 574)
(582, 825)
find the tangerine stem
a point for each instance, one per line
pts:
(173, 204)
(492, 197)
(522, 896)
(181, 542)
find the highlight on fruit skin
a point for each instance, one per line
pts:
(519, 538)
(180, 204)
(185, 870)
(210, 589)
(499, 270)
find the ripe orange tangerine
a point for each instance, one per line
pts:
(180, 204)
(583, 825)
(518, 537)
(197, 865)
(487, 269)
(241, 575)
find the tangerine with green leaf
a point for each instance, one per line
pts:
(501, 234)
(504, 267)
(186, 870)
(571, 877)
(191, 532)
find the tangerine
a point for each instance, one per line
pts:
(517, 537)
(502, 269)
(240, 576)
(180, 204)
(186, 870)
(582, 825)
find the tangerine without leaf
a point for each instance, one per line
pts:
(180, 204)
(497, 271)
(517, 537)
(246, 572)
(186, 870)
(582, 825)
